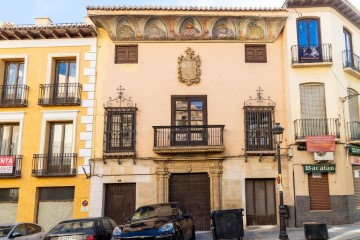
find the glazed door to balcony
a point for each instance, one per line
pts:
(14, 76)
(9, 135)
(187, 113)
(60, 149)
(65, 81)
(313, 110)
(348, 49)
(308, 31)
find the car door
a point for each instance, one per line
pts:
(185, 222)
(108, 228)
(19, 232)
(34, 232)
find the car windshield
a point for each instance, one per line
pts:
(73, 226)
(154, 211)
(4, 230)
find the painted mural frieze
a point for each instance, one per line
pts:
(189, 67)
(191, 28)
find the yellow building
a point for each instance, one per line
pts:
(47, 83)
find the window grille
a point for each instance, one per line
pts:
(119, 134)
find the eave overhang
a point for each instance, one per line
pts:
(189, 23)
(53, 31)
(344, 7)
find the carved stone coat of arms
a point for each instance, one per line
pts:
(189, 67)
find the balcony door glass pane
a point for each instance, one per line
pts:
(61, 138)
(309, 39)
(313, 110)
(14, 76)
(65, 74)
(348, 47)
(9, 135)
(353, 106)
(72, 72)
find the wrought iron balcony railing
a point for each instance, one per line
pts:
(320, 53)
(310, 127)
(10, 166)
(46, 165)
(65, 94)
(353, 130)
(351, 60)
(204, 138)
(14, 95)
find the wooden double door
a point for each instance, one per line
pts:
(260, 202)
(192, 190)
(120, 201)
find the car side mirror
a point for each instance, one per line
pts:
(16, 234)
(127, 220)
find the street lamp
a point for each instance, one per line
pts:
(277, 132)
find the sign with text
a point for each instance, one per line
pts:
(319, 168)
(355, 160)
(354, 150)
(320, 143)
(7, 164)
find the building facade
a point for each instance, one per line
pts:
(47, 75)
(322, 85)
(185, 110)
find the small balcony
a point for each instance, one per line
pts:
(54, 165)
(189, 139)
(353, 132)
(62, 94)
(14, 96)
(10, 166)
(319, 55)
(311, 127)
(351, 63)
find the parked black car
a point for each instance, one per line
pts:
(98, 228)
(166, 221)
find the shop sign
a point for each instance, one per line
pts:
(7, 164)
(354, 150)
(319, 168)
(320, 143)
(355, 160)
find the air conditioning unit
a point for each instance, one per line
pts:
(323, 156)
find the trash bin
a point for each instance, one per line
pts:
(227, 224)
(316, 231)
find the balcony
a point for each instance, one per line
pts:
(11, 166)
(311, 55)
(189, 139)
(310, 127)
(14, 95)
(351, 63)
(353, 131)
(63, 94)
(54, 165)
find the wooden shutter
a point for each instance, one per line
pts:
(255, 53)
(356, 185)
(319, 192)
(126, 54)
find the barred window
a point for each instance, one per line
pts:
(119, 131)
(258, 128)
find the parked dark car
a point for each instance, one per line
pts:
(98, 228)
(21, 231)
(166, 221)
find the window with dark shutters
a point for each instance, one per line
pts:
(255, 53)
(126, 54)
(319, 192)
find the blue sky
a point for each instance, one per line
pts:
(74, 11)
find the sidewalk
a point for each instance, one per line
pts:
(341, 232)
